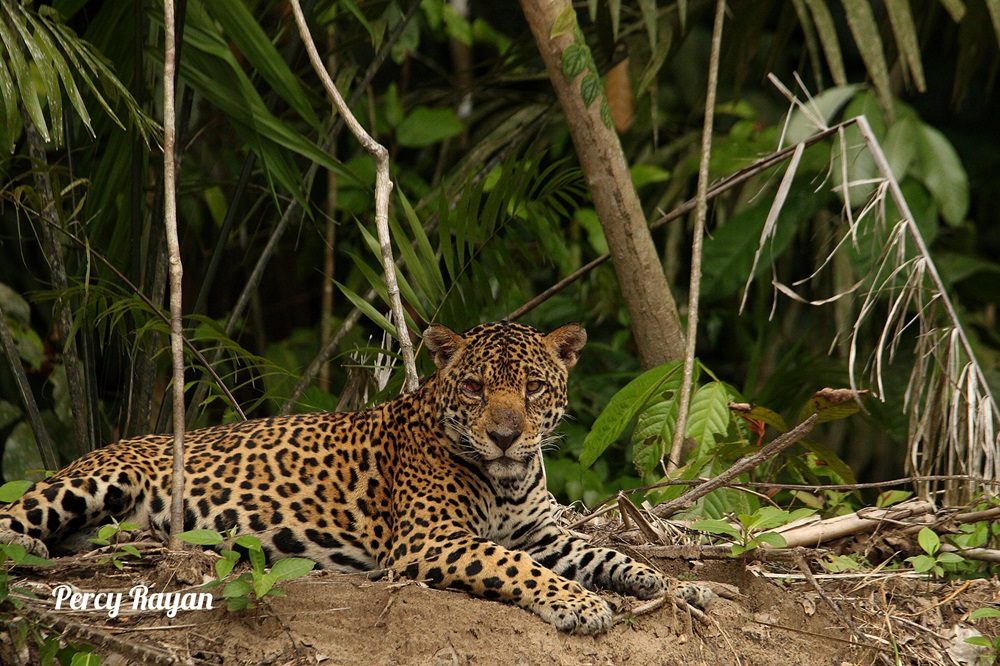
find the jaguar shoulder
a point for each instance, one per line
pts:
(444, 485)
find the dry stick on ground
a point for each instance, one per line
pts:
(701, 212)
(383, 186)
(771, 449)
(176, 272)
(63, 315)
(42, 440)
(131, 649)
(655, 322)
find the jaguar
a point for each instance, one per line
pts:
(443, 485)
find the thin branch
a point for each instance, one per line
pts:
(701, 212)
(383, 186)
(745, 463)
(176, 272)
(42, 440)
(721, 187)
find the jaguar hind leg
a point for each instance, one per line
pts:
(98, 486)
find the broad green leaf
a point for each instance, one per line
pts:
(708, 414)
(622, 408)
(85, 659)
(236, 588)
(645, 174)
(425, 126)
(950, 558)
(654, 430)
(929, 540)
(257, 559)
(922, 563)
(12, 490)
(831, 459)
(772, 539)
(940, 169)
(575, 59)
(292, 567)
(224, 567)
(987, 613)
(826, 105)
(238, 603)
(980, 641)
(201, 537)
(249, 542)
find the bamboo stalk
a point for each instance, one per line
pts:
(383, 186)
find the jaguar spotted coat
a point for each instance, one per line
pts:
(444, 485)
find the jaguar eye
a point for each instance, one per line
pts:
(472, 386)
(534, 386)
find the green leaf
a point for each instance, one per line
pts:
(717, 526)
(646, 174)
(255, 45)
(708, 415)
(224, 567)
(237, 603)
(621, 409)
(772, 539)
(292, 567)
(940, 169)
(830, 459)
(648, 10)
(901, 19)
(922, 563)
(890, 497)
(368, 309)
(987, 613)
(257, 560)
(590, 88)
(201, 537)
(131, 550)
(654, 429)
(564, 23)
(826, 105)
(249, 542)
(12, 490)
(830, 405)
(980, 641)
(236, 588)
(950, 558)
(575, 59)
(827, 31)
(864, 27)
(85, 659)
(929, 540)
(425, 126)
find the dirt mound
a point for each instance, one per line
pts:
(329, 618)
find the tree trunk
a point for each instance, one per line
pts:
(655, 323)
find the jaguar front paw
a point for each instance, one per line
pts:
(640, 581)
(698, 596)
(32, 545)
(583, 613)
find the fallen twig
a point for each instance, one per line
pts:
(863, 520)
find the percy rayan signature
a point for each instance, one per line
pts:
(139, 598)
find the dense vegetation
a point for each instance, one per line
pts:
(490, 208)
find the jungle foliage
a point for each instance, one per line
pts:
(489, 209)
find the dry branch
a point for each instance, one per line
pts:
(700, 213)
(863, 520)
(176, 272)
(383, 186)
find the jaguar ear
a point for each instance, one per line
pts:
(442, 343)
(566, 343)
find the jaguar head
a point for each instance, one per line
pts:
(500, 390)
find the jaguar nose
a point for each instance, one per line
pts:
(503, 440)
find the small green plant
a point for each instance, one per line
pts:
(750, 533)
(251, 585)
(933, 559)
(109, 534)
(991, 645)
